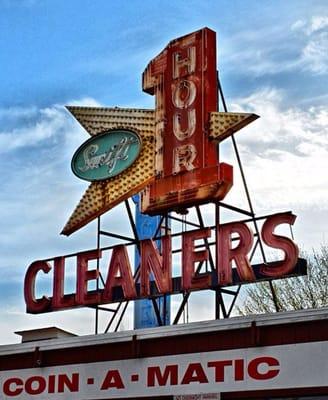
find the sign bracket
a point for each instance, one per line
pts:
(220, 303)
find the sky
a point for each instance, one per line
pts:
(272, 59)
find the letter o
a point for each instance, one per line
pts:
(40, 382)
(187, 101)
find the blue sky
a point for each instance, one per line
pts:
(273, 60)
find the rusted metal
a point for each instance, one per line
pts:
(187, 189)
(223, 124)
(179, 287)
(178, 166)
(98, 275)
(181, 167)
(183, 79)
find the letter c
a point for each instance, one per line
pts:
(253, 368)
(34, 305)
(13, 387)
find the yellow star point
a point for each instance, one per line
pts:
(224, 124)
(104, 195)
(101, 196)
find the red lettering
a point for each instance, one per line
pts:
(119, 274)
(194, 373)
(253, 368)
(285, 244)
(184, 66)
(160, 266)
(227, 254)
(183, 96)
(112, 380)
(183, 79)
(170, 374)
(58, 299)
(51, 383)
(65, 382)
(239, 370)
(120, 284)
(189, 257)
(219, 367)
(34, 305)
(83, 297)
(35, 385)
(13, 387)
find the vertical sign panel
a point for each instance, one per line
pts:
(144, 314)
(184, 81)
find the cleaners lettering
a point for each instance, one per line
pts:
(155, 272)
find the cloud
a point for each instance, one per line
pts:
(38, 189)
(37, 195)
(284, 155)
(314, 55)
(49, 123)
(310, 26)
(316, 24)
(273, 50)
(34, 127)
(299, 24)
(262, 52)
(282, 130)
(17, 112)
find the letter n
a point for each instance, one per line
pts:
(159, 266)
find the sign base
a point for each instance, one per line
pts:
(197, 187)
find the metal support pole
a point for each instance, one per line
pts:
(247, 194)
(97, 281)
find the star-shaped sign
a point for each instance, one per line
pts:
(103, 195)
(224, 124)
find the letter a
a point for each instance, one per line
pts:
(113, 380)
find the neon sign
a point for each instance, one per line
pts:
(171, 154)
(120, 284)
(107, 155)
(183, 79)
(178, 165)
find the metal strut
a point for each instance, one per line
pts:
(250, 205)
(221, 306)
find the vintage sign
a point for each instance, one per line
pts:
(178, 166)
(183, 79)
(106, 155)
(156, 268)
(103, 195)
(171, 154)
(301, 365)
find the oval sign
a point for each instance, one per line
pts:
(106, 155)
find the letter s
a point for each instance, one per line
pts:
(280, 242)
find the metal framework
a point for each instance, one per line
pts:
(223, 307)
